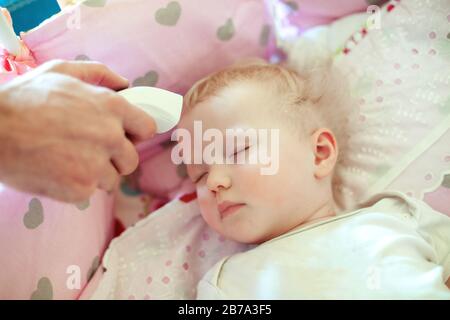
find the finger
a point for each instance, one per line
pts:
(78, 193)
(138, 125)
(67, 191)
(109, 179)
(125, 159)
(92, 72)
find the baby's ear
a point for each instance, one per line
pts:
(326, 152)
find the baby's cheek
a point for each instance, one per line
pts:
(207, 216)
(207, 205)
(247, 175)
(253, 186)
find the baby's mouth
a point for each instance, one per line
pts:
(227, 208)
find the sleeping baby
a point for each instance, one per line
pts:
(305, 247)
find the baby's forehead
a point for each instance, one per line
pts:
(249, 88)
(244, 99)
(239, 104)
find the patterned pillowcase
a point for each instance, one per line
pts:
(399, 78)
(163, 41)
(49, 249)
(305, 14)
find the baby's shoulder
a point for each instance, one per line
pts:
(394, 212)
(233, 276)
(389, 236)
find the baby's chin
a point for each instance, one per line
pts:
(233, 228)
(244, 236)
(251, 236)
(240, 239)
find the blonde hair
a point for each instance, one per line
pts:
(313, 95)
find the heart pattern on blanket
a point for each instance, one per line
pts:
(35, 214)
(226, 32)
(169, 15)
(83, 205)
(292, 5)
(82, 57)
(264, 36)
(95, 3)
(44, 290)
(446, 181)
(150, 79)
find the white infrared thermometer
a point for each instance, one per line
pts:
(162, 105)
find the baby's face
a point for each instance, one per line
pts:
(262, 206)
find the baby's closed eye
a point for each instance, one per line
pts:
(199, 177)
(240, 150)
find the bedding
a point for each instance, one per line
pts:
(399, 76)
(397, 123)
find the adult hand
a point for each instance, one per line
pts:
(65, 132)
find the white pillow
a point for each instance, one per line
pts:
(399, 75)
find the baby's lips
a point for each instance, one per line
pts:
(227, 204)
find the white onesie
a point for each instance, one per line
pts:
(396, 247)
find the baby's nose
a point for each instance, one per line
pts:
(217, 179)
